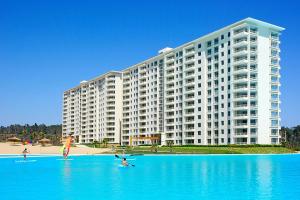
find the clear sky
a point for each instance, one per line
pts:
(49, 46)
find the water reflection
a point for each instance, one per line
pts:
(66, 173)
(216, 176)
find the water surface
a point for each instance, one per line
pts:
(153, 177)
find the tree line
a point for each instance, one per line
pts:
(291, 137)
(32, 133)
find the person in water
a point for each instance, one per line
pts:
(65, 153)
(124, 162)
(25, 152)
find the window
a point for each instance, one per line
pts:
(274, 122)
(208, 43)
(253, 140)
(216, 50)
(222, 37)
(274, 140)
(199, 46)
(209, 52)
(216, 41)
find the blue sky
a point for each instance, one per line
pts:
(48, 46)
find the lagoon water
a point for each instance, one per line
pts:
(153, 177)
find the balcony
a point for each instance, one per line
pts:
(190, 74)
(190, 60)
(253, 106)
(240, 106)
(241, 97)
(241, 88)
(241, 78)
(170, 107)
(242, 69)
(170, 71)
(189, 135)
(142, 82)
(189, 120)
(241, 32)
(241, 125)
(190, 51)
(189, 105)
(170, 93)
(143, 93)
(189, 82)
(170, 59)
(240, 51)
(189, 112)
(170, 102)
(170, 79)
(169, 89)
(240, 42)
(169, 116)
(240, 116)
(240, 61)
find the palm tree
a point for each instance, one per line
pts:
(154, 148)
(105, 142)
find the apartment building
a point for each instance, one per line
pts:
(91, 110)
(143, 103)
(222, 88)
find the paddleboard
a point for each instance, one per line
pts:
(122, 166)
(65, 159)
(25, 161)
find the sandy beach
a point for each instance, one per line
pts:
(8, 148)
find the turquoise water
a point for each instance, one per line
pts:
(153, 177)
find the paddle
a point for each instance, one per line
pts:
(136, 154)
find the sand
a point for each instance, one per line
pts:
(8, 148)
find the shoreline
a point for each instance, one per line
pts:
(7, 156)
(9, 149)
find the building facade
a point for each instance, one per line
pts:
(91, 110)
(222, 88)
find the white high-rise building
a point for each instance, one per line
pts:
(222, 88)
(91, 111)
